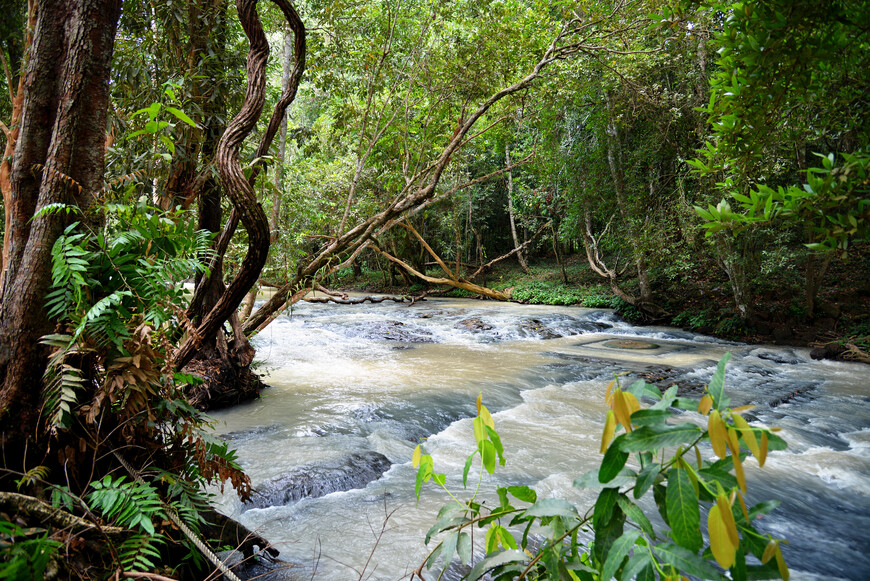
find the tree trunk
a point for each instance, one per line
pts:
(287, 65)
(732, 264)
(239, 188)
(614, 159)
(11, 133)
(510, 194)
(63, 122)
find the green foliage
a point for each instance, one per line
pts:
(547, 293)
(667, 462)
(24, 553)
(136, 264)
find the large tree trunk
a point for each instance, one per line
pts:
(66, 97)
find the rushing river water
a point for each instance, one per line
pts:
(355, 388)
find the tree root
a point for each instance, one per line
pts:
(50, 516)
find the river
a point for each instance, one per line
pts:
(356, 387)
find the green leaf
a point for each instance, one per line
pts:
(488, 455)
(479, 430)
(603, 510)
(181, 116)
(547, 507)
(523, 493)
(618, 551)
(763, 508)
(449, 516)
(589, 480)
(496, 441)
(639, 561)
(497, 560)
(649, 417)
(467, 467)
(634, 512)
(640, 388)
(447, 547)
(717, 384)
(463, 548)
(649, 438)
(606, 534)
(646, 478)
(685, 561)
(613, 461)
(683, 513)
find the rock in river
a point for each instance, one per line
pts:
(314, 480)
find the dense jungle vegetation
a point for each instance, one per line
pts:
(703, 164)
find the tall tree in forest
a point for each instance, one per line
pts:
(58, 160)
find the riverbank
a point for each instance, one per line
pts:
(699, 301)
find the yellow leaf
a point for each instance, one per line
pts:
(738, 472)
(763, 450)
(769, 551)
(743, 506)
(486, 416)
(705, 405)
(631, 401)
(698, 457)
(743, 408)
(415, 459)
(621, 409)
(479, 397)
(609, 429)
(607, 394)
(716, 430)
(733, 440)
(780, 564)
(748, 435)
(724, 551)
(727, 518)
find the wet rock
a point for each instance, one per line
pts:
(263, 567)
(392, 331)
(250, 433)
(828, 351)
(315, 480)
(538, 329)
(663, 377)
(784, 357)
(474, 325)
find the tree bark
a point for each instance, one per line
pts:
(11, 133)
(240, 189)
(63, 120)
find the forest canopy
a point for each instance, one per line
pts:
(667, 154)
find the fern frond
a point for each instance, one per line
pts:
(55, 208)
(127, 504)
(137, 553)
(32, 476)
(57, 174)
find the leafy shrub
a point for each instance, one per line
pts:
(24, 553)
(546, 293)
(669, 465)
(598, 301)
